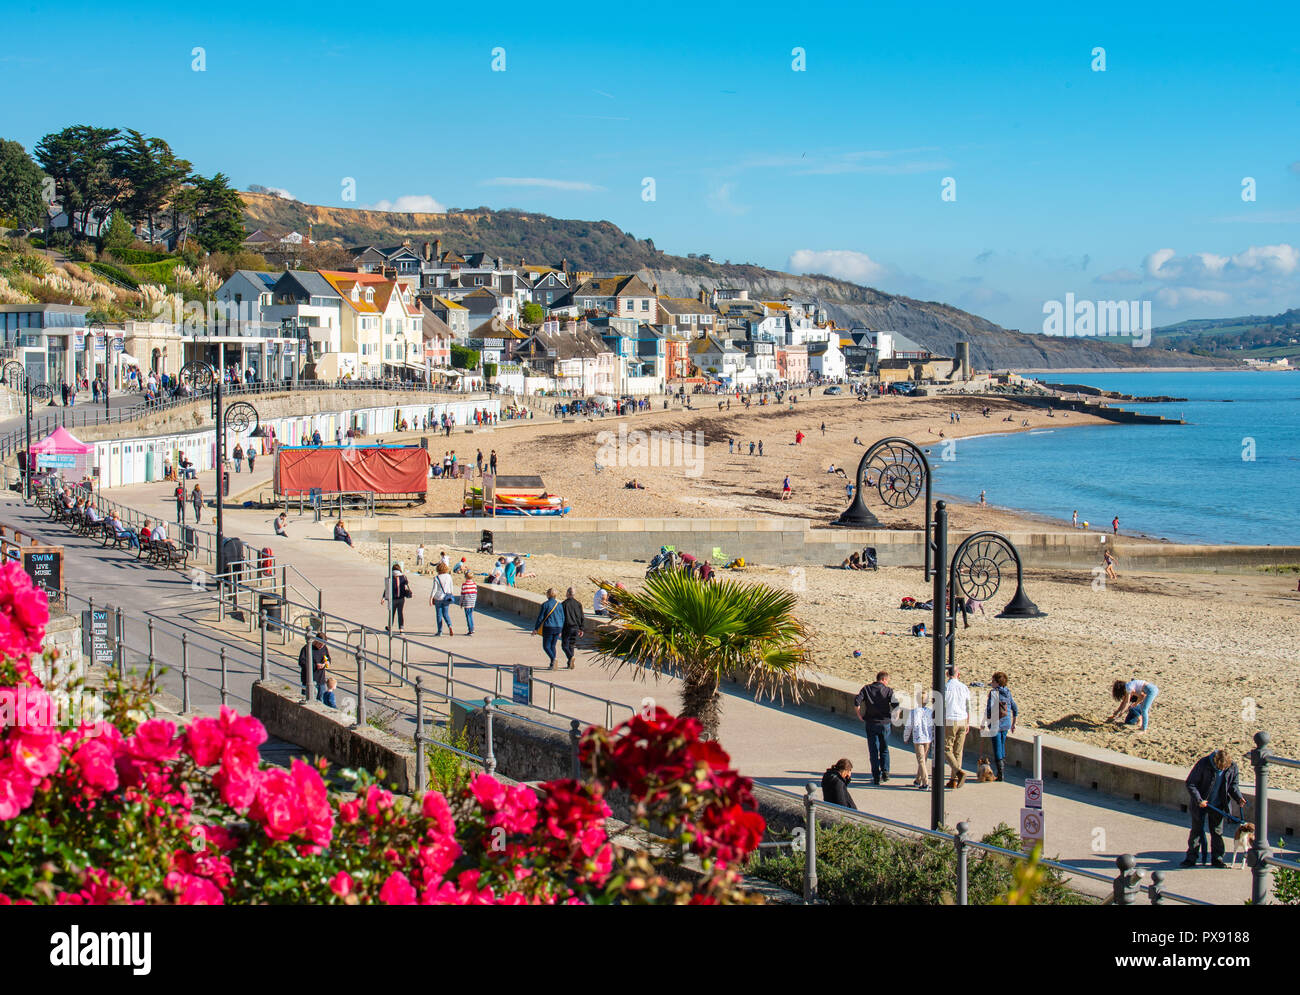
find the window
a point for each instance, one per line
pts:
(645, 304)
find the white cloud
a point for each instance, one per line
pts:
(1280, 259)
(1155, 263)
(411, 203)
(857, 267)
(1210, 262)
(540, 181)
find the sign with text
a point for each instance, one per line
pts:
(94, 636)
(55, 459)
(44, 567)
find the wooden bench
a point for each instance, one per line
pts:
(169, 553)
(116, 539)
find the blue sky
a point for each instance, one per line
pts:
(1117, 185)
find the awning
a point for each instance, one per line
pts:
(127, 358)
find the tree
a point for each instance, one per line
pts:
(120, 235)
(463, 358)
(20, 187)
(80, 159)
(211, 209)
(533, 313)
(150, 173)
(706, 632)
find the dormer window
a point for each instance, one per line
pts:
(370, 295)
(356, 293)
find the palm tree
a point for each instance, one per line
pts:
(706, 631)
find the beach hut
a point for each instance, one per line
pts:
(62, 453)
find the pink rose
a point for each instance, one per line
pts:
(16, 790)
(193, 890)
(204, 739)
(95, 761)
(341, 884)
(490, 792)
(238, 779)
(397, 890)
(154, 740)
(245, 727)
(23, 613)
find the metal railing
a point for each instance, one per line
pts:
(199, 543)
(1260, 858)
(1126, 885)
(332, 504)
(238, 597)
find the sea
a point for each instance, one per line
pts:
(1230, 475)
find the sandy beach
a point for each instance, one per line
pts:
(717, 482)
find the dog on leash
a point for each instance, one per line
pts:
(984, 771)
(1242, 839)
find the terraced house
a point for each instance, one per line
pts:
(618, 296)
(381, 324)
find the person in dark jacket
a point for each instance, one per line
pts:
(835, 784)
(876, 703)
(573, 623)
(1210, 785)
(550, 624)
(315, 671)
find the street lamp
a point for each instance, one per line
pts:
(16, 377)
(976, 569)
(898, 471)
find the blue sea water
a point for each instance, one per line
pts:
(1192, 483)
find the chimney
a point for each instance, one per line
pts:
(437, 249)
(564, 266)
(501, 263)
(406, 243)
(427, 252)
(656, 289)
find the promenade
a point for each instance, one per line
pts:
(783, 746)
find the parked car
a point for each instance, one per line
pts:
(903, 387)
(833, 390)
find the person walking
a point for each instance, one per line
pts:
(956, 723)
(785, 488)
(875, 705)
(1211, 784)
(1074, 519)
(1114, 525)
(1000, 715)
(179, 494)
(573, 623)
(312, 667)
(760, 447)
(550, 625)
(468, 599)
(396, 590)
(251, 453)
(237, 454)
(442, 597)
(835, 783)
(1108, 560)
(419, 558)
(196, 499)
(492, 462)
(919, 731)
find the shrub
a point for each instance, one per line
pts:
(133, 257)
(116, 273)
(863, 865)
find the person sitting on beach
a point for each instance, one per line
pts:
(1135, 698)
(280, 521)
(632, 485)
(341, 533)
(854, 562)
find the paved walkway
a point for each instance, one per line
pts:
(784, 746)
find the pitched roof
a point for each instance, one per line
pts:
(624, 285)
(684, 305)
(495, 328)
(311, 281)
(433, 326)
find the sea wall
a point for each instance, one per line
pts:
(790, 542)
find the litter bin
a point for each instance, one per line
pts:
(271, 607)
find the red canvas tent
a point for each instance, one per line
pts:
(385, 470)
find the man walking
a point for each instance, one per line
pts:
(180, 503)
(468, 598)
(492, 462)
(1211, 784)
(573, 623)
(1114, 525)
(550, 625)
(956, 722)
(875, 704)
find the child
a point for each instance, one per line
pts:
(419, 557)
(328, 697)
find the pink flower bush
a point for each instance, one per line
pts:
(120, 804)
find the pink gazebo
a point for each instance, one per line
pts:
(63, 443)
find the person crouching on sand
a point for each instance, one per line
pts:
(1135, 698)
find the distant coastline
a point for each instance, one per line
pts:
(1142, 369)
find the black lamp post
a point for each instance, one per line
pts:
(976, 570)
(897, 469)
(16, 377)
(238, 418)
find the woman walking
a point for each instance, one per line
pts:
(237, 454)
(1000, 714)
(396, 590)
(442, 597)
(919, 731)
(196, 498)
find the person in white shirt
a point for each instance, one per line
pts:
(919, 731)
(419, 557)
(598, 602)
(956, 722)
(159, 533)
